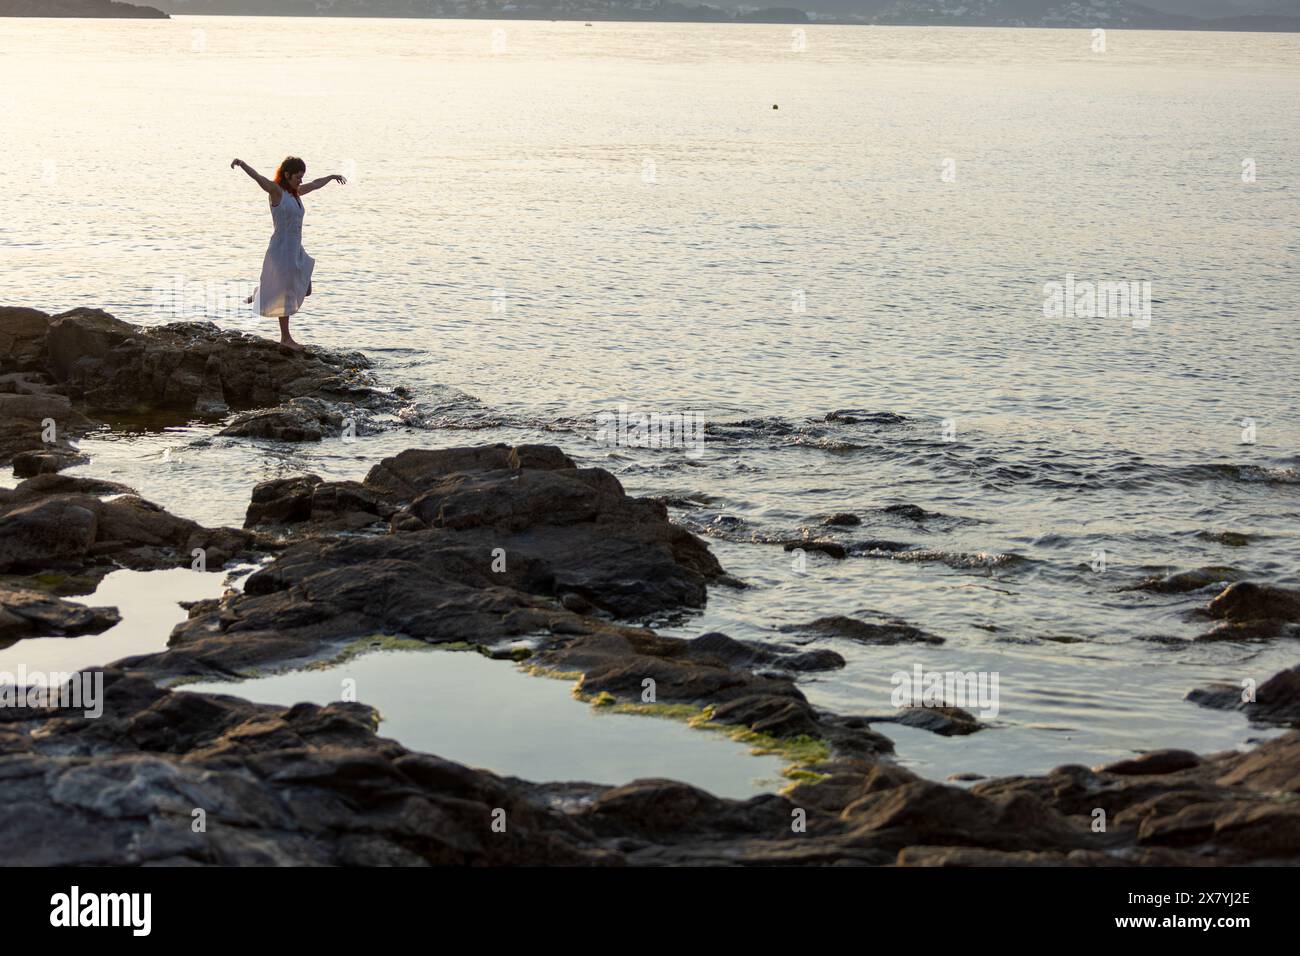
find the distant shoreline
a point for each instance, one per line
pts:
(1227, 25)
(79, 10)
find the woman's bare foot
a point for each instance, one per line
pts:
(286, 339)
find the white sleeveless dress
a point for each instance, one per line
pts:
(287, 269)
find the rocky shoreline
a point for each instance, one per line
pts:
(521, 554)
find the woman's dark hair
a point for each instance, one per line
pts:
(291, 165)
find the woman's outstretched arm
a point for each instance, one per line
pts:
(272, 188)
(318, 183)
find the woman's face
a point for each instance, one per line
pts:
(295, 179)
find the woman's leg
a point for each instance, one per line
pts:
(285, 337)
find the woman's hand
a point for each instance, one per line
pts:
(236, 162)
(339, 179)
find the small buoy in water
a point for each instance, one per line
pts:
(774, 106)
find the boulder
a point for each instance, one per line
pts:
(187, 367)
(22, 339)
(49, 524)
(28, 613)
(1248, 601)
(83, 337)
(1248, 611)
(575, 529)
(298, 420)
(1275, 701)
(1154, 762)
(27, 464)
(33, 424)
(832, 549)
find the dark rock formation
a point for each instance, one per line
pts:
(54, 523)
(1225, 808)
(1276, 701)
(832, 549)
(22, 339)
(551, 528)
(27, 613)
(34, 425)
(842, 519)
(54, 371)
(192, 367)
(884, 631)
(29, 464)
(711, 671)
(1181, 582)
(315, 785)
(1250, 611)
(298, 420)
(910, 512)
(1154, 763)
(944, 721)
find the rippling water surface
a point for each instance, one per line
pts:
(618, 215)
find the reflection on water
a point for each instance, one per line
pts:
(149, 604)
(486, 713)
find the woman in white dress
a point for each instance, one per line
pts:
(286, 270)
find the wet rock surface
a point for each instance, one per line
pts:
(883, 631)
(1181, 582)
(944, 721)
(1250, 611)
(1276, 701)
(298, 420)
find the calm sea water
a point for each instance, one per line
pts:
(545, 220)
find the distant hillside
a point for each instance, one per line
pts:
(1218, 9)
(869, 10)
(1068, 13)
(77, 8)
(1270, 15)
